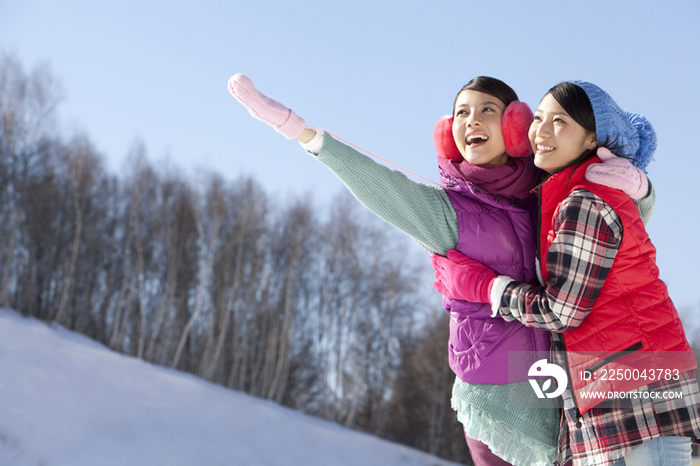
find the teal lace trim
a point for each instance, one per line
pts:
(497, 416)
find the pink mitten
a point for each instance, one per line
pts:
(269, 111)
(459, 277)
(616, 172)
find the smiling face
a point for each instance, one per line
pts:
(477, 128)
(557, 140)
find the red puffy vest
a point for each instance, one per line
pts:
(633, 336)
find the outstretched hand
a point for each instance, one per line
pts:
(459, 277)
(619, 173)
(265, 109)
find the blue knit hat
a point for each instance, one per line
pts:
(629, 135)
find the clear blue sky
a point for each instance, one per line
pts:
(378, 73)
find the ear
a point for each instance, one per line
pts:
(591, 141)
(515, 124)
(444, 140)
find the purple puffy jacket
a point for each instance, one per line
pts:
(501, 235)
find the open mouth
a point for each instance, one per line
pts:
(476, 139)
(543, 148)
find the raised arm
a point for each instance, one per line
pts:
(423, 212)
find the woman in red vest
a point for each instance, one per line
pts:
(631, 396)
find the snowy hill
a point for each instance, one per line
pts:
(67, 400)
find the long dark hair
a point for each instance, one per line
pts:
(574, 100)
(491, 86)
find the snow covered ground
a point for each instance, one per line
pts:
(67, 400)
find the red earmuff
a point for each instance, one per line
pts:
(515, 125)
(444, 141)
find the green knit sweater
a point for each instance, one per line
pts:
(423, 212)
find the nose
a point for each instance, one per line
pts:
(472, 120)
(542, 129)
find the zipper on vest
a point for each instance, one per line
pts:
(636, 347)
(578, 414)
(593, 368)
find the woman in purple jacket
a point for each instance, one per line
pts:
(484, 208)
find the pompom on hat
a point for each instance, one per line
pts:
(626, 134)
(515, 124)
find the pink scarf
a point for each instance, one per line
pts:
(514, 179)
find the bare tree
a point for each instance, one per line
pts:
(83, 165)
(239, 256)
(173, 193)
(27, 110)
(178, 264)
(251, 279)
(217, 214)
(296, 234)
(208, 219)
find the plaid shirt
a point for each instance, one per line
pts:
(589, 234)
